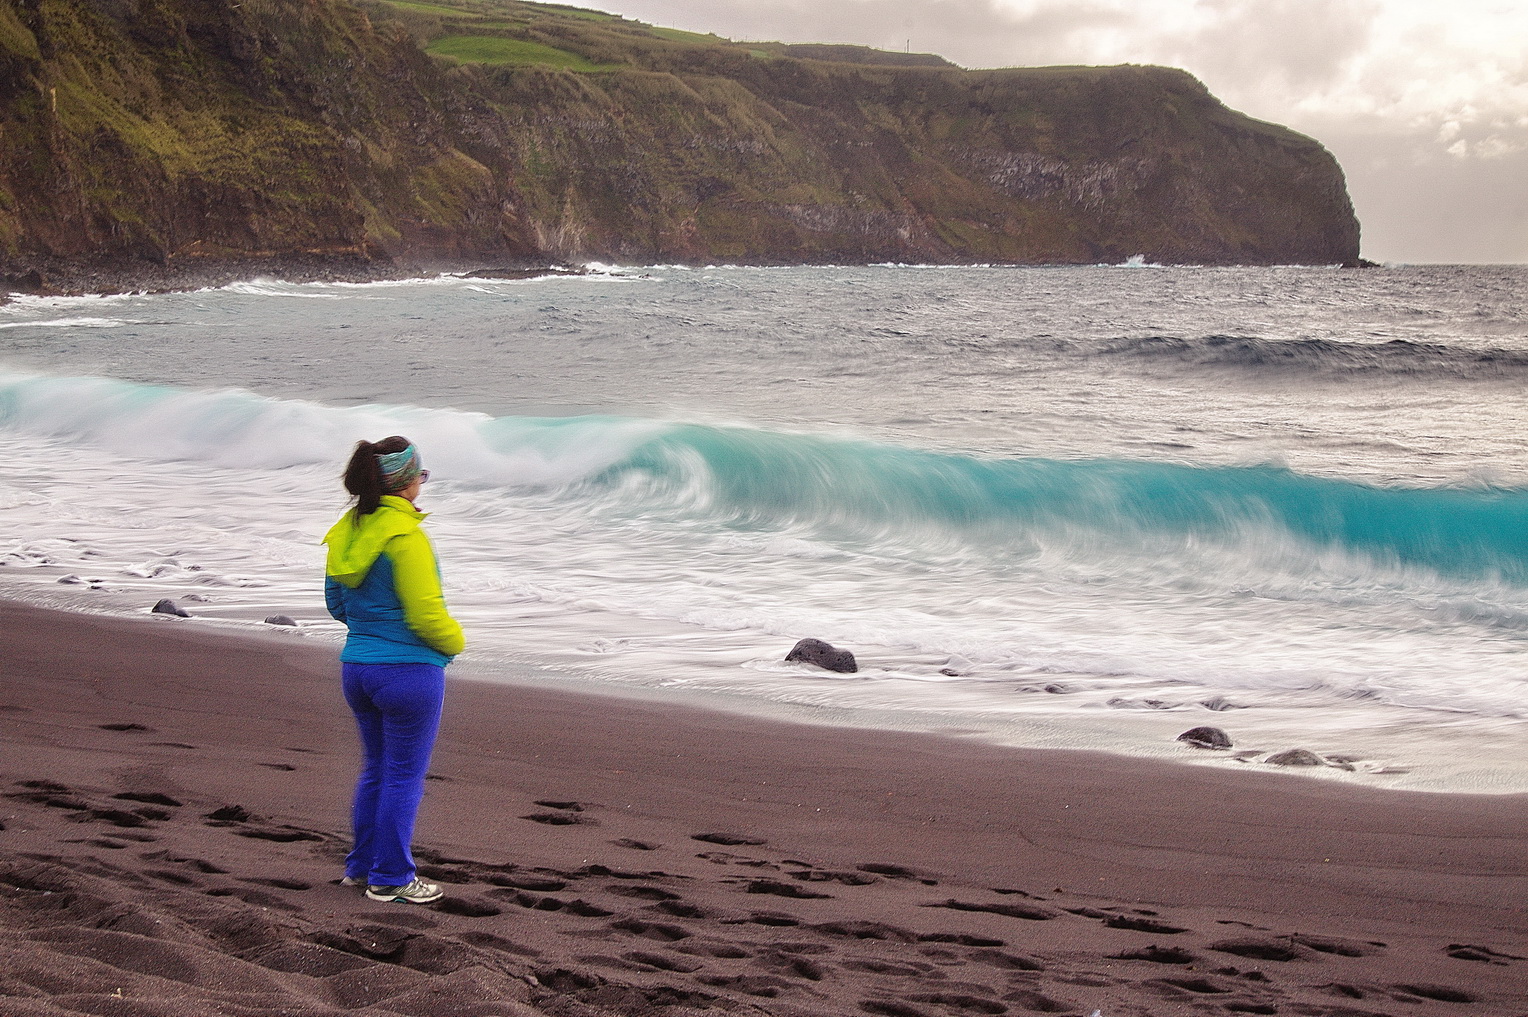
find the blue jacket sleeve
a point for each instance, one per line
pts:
(334, 598)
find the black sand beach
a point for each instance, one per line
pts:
(175, 817)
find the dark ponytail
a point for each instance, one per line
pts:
(363, 474)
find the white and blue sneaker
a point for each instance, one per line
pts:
(417, 892)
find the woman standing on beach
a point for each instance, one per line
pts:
(383, 582)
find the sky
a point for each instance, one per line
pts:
(1423, 102)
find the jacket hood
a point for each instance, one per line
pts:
(355, 545)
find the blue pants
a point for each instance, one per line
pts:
(397, 711)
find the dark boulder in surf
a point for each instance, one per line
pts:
(1295, 757)
(824, 655)
(1206, 738)
(280, 619)
(168, 606)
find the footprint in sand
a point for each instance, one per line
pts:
(467, 907)
(892, 1008)
(116, 817)
(178, 878)
(728, 839)
(489, 941)
(1028, 912)
(198, 864)
(1199, 985)
(773, 919)
(636, 845)
(959, 938)
(764, 986)
(280, 834)
(705, 948)
(681, 909)
(898, 872)
(148, 798)
(793, 966)
(663, 962)
(642, 892)
(814, 875)
(780, 889)
(1261, 949)
(543, 884)
(530, 901)
(1039, 1002)
(277, 882)
(561, 819)
(961, 1002)
(662, 931)
(1441, 993)
(1006, 961)
(1158, 955)
(1340, 947)
(728, 858)
(1483, 954)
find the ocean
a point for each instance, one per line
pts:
(1058, 507)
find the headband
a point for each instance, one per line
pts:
(398, 469)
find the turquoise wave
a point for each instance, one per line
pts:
(761, 479)
(755, 479)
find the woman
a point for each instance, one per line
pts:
(384, 584)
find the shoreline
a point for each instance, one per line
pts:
(71, 279)
(58, 278)
(1366, 753)
(837, 870)
(1146, 737)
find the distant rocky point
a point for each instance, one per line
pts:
(154, 146)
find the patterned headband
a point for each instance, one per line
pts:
(399, 469)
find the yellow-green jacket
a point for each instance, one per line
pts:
(383, 582)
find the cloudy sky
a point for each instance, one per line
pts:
(1424, 102)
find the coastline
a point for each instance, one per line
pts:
(1061, 861)
(59, 278)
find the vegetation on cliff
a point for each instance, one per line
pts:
(457, 132)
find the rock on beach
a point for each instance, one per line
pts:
(1206, 738)
(824, 655)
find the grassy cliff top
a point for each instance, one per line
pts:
(509, 32)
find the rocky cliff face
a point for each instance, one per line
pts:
(171, 136)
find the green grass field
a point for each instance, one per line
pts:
(496, 50)
(424, 8)
(678, 35)
(574, 12)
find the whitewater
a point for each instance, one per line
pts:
(1059, 507)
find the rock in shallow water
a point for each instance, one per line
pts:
(1206, 738)
(815, 651)
(280, 619)
(168, 606)
(1295, 757)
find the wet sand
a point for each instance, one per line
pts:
(175, 818)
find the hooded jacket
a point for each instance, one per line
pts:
(383, 582)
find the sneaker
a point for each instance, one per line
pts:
(417, 892)
(353, 881)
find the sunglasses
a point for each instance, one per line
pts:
(424, 475)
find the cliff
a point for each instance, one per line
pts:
(156, 138)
